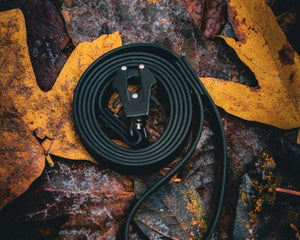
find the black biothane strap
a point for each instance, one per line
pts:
(176, 82)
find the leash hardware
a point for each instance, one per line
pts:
(136, 104)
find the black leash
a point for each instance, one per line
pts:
(152, 68)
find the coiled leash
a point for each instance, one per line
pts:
(160, 75)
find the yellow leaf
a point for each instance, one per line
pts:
(263, 47)
(65, 143)
(48, 115)
(26, 111)
(22, 158)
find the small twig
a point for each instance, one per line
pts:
(286, 12)
(297, 235)
(292, 192)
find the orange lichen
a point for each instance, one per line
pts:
(263, 192)
(152, 1)
(196, 206)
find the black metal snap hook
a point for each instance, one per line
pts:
(136, 104)
(152, 66)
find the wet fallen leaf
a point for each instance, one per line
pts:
(22, 158)
(46, 38)
(171, 23)
(261, 213)
(47, 115)
(62, 140)
(213, 17)
(150, 21)
(195, 9)
(175, 211)
(147, 22)
(86, 202)
(209, 58)
(245, 146)
(286, 153)
(273, 61)
(257, 192)
(200, 170)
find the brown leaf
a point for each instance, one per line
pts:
(85, 201)
(155, 22)
(254, 195)
(213, 17)
(195, 9)
(46, 37)
(246, 144)
(168, 22)
(208, 17)
(200, 170)
(175, 211)
(261, 213)
(286, 153)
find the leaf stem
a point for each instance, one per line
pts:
(288, 191)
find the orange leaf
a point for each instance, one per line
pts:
(263, 47)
